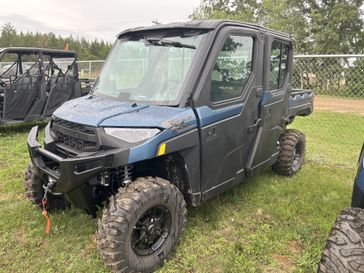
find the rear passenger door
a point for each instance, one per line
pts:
(229, 108)
(274, 103)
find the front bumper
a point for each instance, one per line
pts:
(71, 173)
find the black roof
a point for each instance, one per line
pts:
(201, 24)
(34, 50)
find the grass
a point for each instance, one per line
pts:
(268, 224)
(333, 138)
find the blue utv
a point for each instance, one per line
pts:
(179, 114)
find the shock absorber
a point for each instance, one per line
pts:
(126, 175)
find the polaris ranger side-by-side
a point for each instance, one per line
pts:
(36, 81)
(179, 114)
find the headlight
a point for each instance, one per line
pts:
(131, 135)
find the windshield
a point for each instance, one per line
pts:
(149, 69)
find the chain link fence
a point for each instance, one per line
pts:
(330, 75)
(89, 69)
(335, 131)
(336, 76)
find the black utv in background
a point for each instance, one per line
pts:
(36, 81)
(179, 114)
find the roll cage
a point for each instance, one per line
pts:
(36, 81)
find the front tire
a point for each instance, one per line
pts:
(292, 144)
(141, 225)
(344, 251)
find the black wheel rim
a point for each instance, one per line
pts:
(297, 157)
(151, 230)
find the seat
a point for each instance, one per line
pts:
(19, 96)
(62, 88)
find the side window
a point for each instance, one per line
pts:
(232, 68)
(278, 65)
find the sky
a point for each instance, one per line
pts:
(101, 19)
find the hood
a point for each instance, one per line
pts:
(98, 111)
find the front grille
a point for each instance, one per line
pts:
(76, 143)
(74, 135)
(74, 126)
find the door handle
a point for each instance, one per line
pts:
(252, 128)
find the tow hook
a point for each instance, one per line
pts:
(47, 189)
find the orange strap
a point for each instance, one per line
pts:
(48, 225)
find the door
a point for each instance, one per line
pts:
(229, 114)
(274, 103)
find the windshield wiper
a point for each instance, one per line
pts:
(163, 42)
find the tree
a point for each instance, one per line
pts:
(87, 50)
(319, 26)
(336, 26)
(8, 35)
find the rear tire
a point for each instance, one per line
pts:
(344, 251)
(141, 225)
(34, 191)
(292, 145)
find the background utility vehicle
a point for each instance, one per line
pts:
(344, 251)
(179, 113)
(36, 81)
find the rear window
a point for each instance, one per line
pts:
(278, 65)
